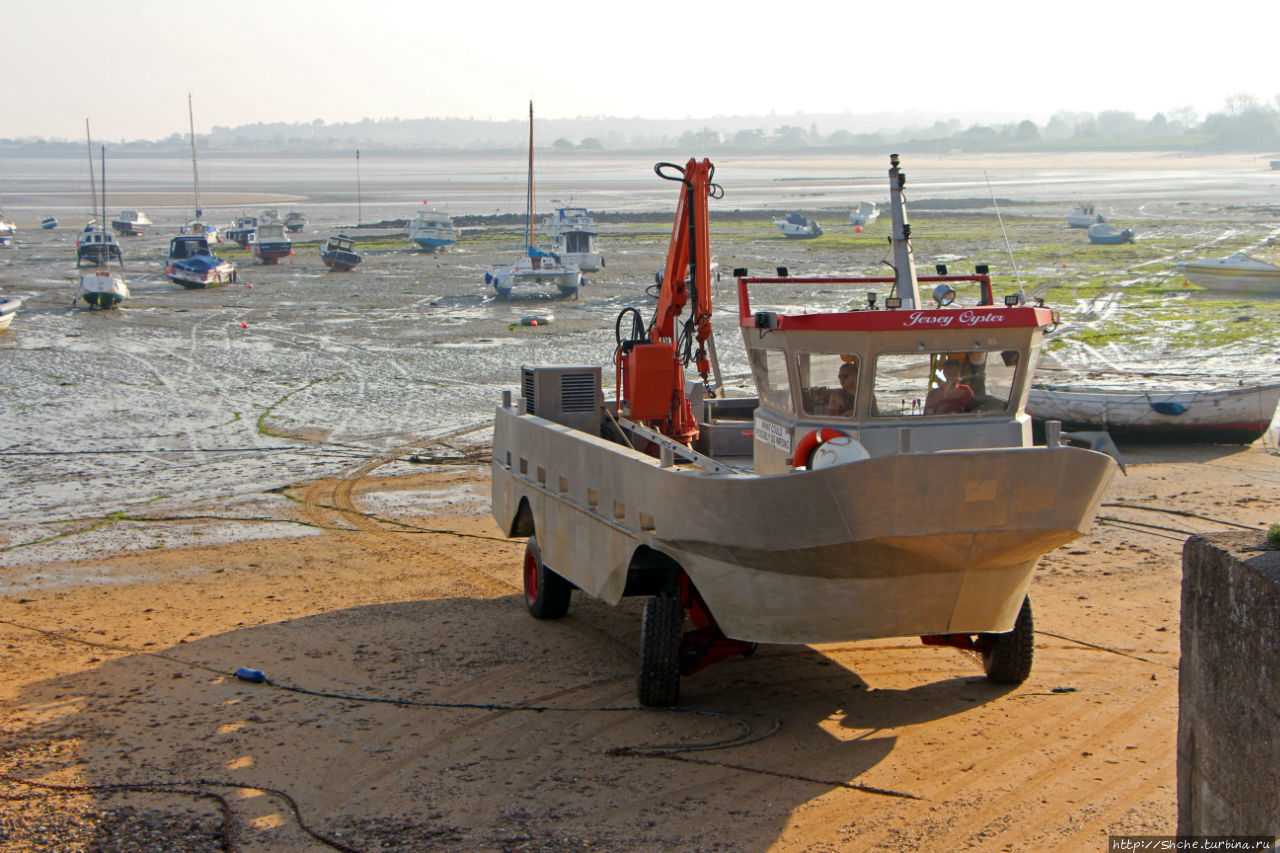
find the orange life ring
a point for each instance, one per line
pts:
(805, 447)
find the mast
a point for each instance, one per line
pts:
(359, 203)
(528, 210)
(93, 182)
(195, 171)
(104, 188)
(904, 265)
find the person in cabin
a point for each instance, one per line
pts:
(840, 402)
(952, 396)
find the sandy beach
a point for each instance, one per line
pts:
(289, 476)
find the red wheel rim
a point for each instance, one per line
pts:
(530, 577)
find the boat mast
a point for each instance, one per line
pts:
(195, 171)
(104, 188)
(93, 182)
(359, 202)
(904, 265)
(528, 210)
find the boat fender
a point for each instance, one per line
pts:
(802, 456)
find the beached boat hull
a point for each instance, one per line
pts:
(132, 226)
(1108, 235)
(433, 241)
(799, 230)
(270, 253)
(103, 290)
(899, 545)
(340, 260)
(49, 223)
(194, 274)
(8, 307)
(1228, 416)
(1236, 275)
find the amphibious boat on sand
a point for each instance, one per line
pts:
(884, 483)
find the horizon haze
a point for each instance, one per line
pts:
(129, 68)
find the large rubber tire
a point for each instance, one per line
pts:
(1007, 657)
(661, 634)
(546, 594)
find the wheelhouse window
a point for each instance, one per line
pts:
(828, 383)
(941, 384)
(769, 366)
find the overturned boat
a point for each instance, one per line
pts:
(799, 226)
(883, 483)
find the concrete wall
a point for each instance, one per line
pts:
(1229, 687)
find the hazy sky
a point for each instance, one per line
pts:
(128, 65)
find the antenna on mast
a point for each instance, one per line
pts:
(93, 181)
(195, 171)
(1009, 249)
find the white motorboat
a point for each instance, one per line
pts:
(1084, 215)
(432, 229)
(864, 214)
(295, 220)
(574, 234)
(1235, 275)
(797, 225)
(131, 223)
(535, 266)
(1160, 408)
(883, 483)
(9, 306)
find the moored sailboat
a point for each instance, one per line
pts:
(535, 266)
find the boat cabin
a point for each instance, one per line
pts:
(188, 246)
(890, 379)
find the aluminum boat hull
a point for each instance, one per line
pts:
(892, 546)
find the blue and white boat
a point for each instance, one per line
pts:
(269, 243)
(242, 230)
(49, 223)
(192, 264)
(432, 229)
(97, 246)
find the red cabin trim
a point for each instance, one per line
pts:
(897, 319)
